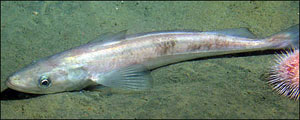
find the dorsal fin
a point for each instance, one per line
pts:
(110, 37)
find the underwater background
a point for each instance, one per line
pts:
(229, 86)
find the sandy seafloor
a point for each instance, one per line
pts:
(231, 86)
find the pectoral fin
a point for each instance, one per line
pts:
(135, 77)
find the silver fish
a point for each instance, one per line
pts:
(121, 61)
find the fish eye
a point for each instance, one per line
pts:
(44, 81)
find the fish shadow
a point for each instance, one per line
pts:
(10, 94)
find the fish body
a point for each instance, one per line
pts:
(121, 61)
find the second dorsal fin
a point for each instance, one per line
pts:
(240, 32)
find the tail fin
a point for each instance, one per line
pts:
(288, 38)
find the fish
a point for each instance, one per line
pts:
(121, 61)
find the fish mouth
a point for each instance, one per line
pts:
(9, 84)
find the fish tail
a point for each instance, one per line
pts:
(288, 38)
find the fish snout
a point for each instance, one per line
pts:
(14, 82)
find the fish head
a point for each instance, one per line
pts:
(43, 77)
